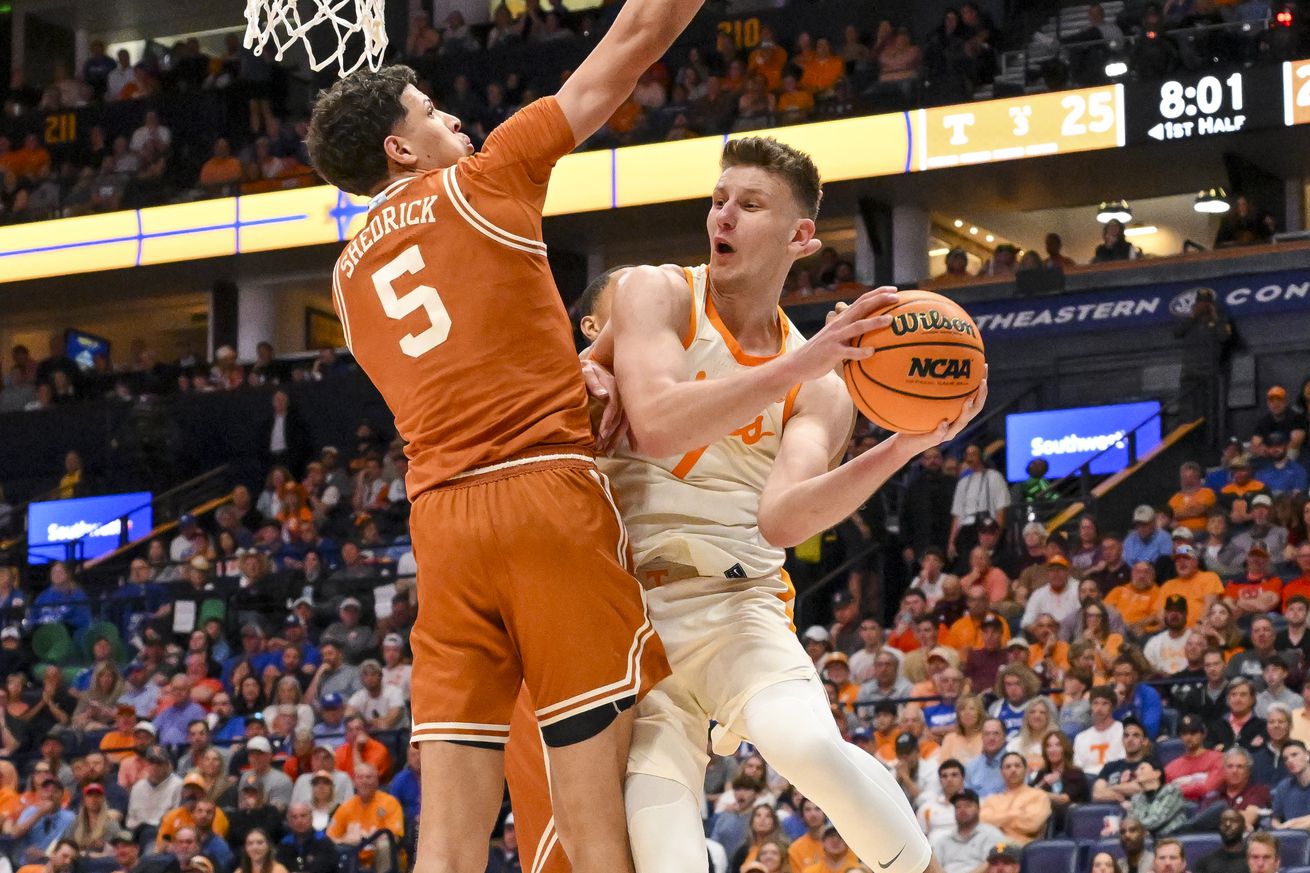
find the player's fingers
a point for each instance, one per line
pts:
(836, 311)
(591, 375)
(856, 353)
(868, 302)
(864, 325)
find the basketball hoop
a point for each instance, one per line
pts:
(278, 23)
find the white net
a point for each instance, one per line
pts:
(280, 24)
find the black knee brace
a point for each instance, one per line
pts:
(584, 725)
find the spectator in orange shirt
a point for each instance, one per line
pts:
(966, 633)
(794, 104)
(837, 856)
(822, 74)
(1301, 584)
(1139, 602)
(1200, 587)
(983, 572)
(359, 748)
(837, 670)
(767, 59)
(31, 160)
(626, 120)
(1193, 501)
(120, 742)
(901, 636)
(1236, 495)
(222, 168)
(1257, 591)
(369, 811)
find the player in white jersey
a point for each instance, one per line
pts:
(737, 424)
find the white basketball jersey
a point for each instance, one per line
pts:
(701, 509)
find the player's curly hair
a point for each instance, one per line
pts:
(349, 123)
(791, 164)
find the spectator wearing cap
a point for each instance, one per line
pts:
(916, 776)
(331, 727)
(1291, 797)
(887, 683)
(927, 632)
(1280, 473)
(957, 269)
(251, 812)
(133, 766)
(1102, 743)
(1020, 812)
(836, 854)
(41, 822)
(406, 786)
(383, 708)
(360, 748)
(304, 849)
(189, 538)
(1280, 418)
(322, 799)
(1198, 769)
(334, 675)
(1274, 673)
(1003, 858)
(154, 795)
(980, 495)
(982, 663)
(1235, 791)
(184, 814)
(1147, 542)
(1167, 650)
(1236, 496)
(966, 846)
(396, 670)
(177, 712)
(1160, 807)
(295, 633)
(1192, 501)
(845, 631)
(323, 759)
(1272, 536)
(1056, 598)
(140, 692)
(983, 773)
(95, 771)
(817, 642)
(276, 785)
(1199, 587)
(54, 745)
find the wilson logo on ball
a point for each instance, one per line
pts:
(912, 322)
(940, 368)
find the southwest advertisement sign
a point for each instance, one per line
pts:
(1140, 306)
(95, 523)
(1068, 438)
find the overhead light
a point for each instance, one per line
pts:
(990, 238)
(959, 222)
(1212, 201)
(937, 253)
(973, 230)
(1115, 69)
(1111, 210)
(1141, 230)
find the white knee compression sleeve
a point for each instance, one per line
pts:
(792, 727)
(664, 825)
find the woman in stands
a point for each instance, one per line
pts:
(213, 770)
(1094, 626)
(964, 742)
(1059, 777)
(765, 827)
(1016, 686)
(771, 858)
(1160, 808)
(96, 825)
(226, 562)
(1038, 720)
(322, 799)
(288, 694)
(269, 503)
(1217, 552)
(1103, 862)
(1267, 766)
(15, 685)
(257, 854)
(1220, 629)
(250, 696)
(1086, 553)
(98, 706)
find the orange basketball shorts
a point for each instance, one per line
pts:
(523, 578)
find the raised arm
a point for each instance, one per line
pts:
(643, 31)
(669, 413)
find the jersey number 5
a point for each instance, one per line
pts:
(424, 297)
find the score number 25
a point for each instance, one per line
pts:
(1093, 112)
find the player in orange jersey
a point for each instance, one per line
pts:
(447, 302)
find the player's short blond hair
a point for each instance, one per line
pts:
(793, 165)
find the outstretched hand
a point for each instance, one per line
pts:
(603, 390)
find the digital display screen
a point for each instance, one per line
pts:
(1068, 438)
(95, 523)
(83, 347)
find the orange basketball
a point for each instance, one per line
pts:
(927, 364)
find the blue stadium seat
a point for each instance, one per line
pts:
(1197, 846)
(1052, 856)
(1293, 847)
(1296, 870)
(1168, 722)
(1168, 750)
(1085, 820)
(1105, 844)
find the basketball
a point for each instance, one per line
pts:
(928, 363)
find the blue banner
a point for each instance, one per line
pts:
(95, 522)
(1067, 438)
(1140, 306)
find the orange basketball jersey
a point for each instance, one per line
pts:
(448, 304)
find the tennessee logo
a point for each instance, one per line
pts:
(940, 368)
(753, 432)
